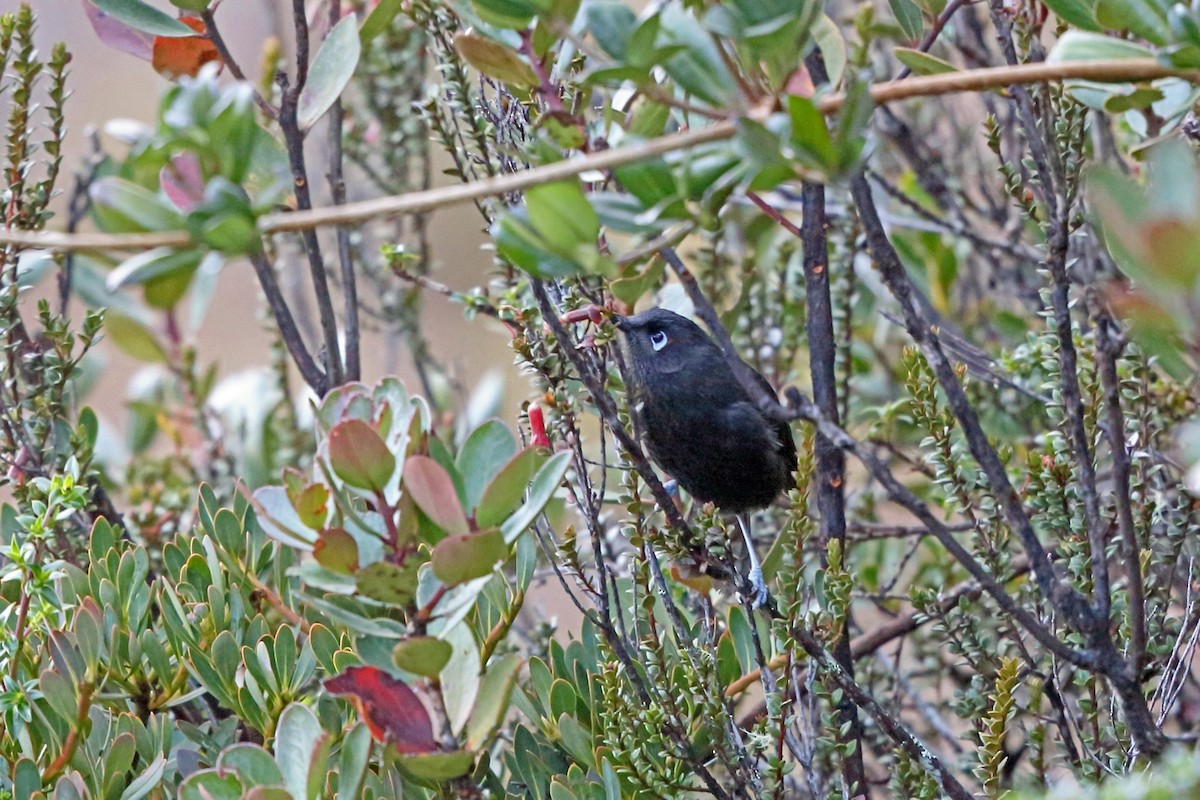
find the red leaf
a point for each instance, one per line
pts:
(118, 35)
(174, 56)
(359, 456)
(433, 490)
(390, 708)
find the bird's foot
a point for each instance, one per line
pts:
(758, 588)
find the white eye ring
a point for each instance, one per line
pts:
(658, 340)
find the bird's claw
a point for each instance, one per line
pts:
(758, 588)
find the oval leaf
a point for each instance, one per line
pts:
(122, 206)
(438, 766)
(156, 263)
(504, 494)
(390, 708)
(495, 60)
(540, 491)
(422, 655)
(117, 34)
(388, 583)
(144, 17)
(337, 551)
(1083, 46)
(312, 504)
(359, 456)
(491, 705)
(562, 216)
(301, 747)
(379, 18)
(433, 491)
(482, 455)
(331, 70)
(922, 63)
(458, 559)
(134, 338)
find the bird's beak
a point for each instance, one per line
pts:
(622, 323)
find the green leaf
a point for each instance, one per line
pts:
(482, 456)
(495, 60)
(144, 17)
(122, 206)
(331, 70)
(909, 18)
(209, 784)
(388, 583)
(849, 138)
(832, 45)
(503, 495)
(697, 65)
(379, 19)
(461, 677)
(359, 455)
(1083, 46)
(302, 749)
(510, 14)
(422, 655)
(147, 781)
(809, 133)
(134, 338)
(27, 778)
(337, 551)
(611, 23)
(352, 762)
(491, 705)
(519, 243)
(1080, 13)
(544, 485)
(1146, 18)
(156, 263)
(437, 766)
(562, 216)
(463, 557)
(253, 764)
(922, 63)
(631, 287)
(433, 491)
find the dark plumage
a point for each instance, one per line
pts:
(699, 424)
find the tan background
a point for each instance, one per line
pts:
(108, 84)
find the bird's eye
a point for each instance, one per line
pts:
(658, 340)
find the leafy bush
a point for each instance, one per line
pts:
(327, 588)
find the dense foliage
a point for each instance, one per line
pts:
(301, 585)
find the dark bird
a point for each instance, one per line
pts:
(700, 424)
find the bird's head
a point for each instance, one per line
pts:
(659, 341)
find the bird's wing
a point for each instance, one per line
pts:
(782, 430)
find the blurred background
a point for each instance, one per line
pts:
(109, 87)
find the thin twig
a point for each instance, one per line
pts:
(1110, 346)
(312, 374)
(208, 15)
(293, 138)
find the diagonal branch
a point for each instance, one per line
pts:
(1134, 69)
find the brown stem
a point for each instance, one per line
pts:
(293, 138)
(72, 741)
(428, 200)
(208, 15)
(1110, 345)
(288, 331)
